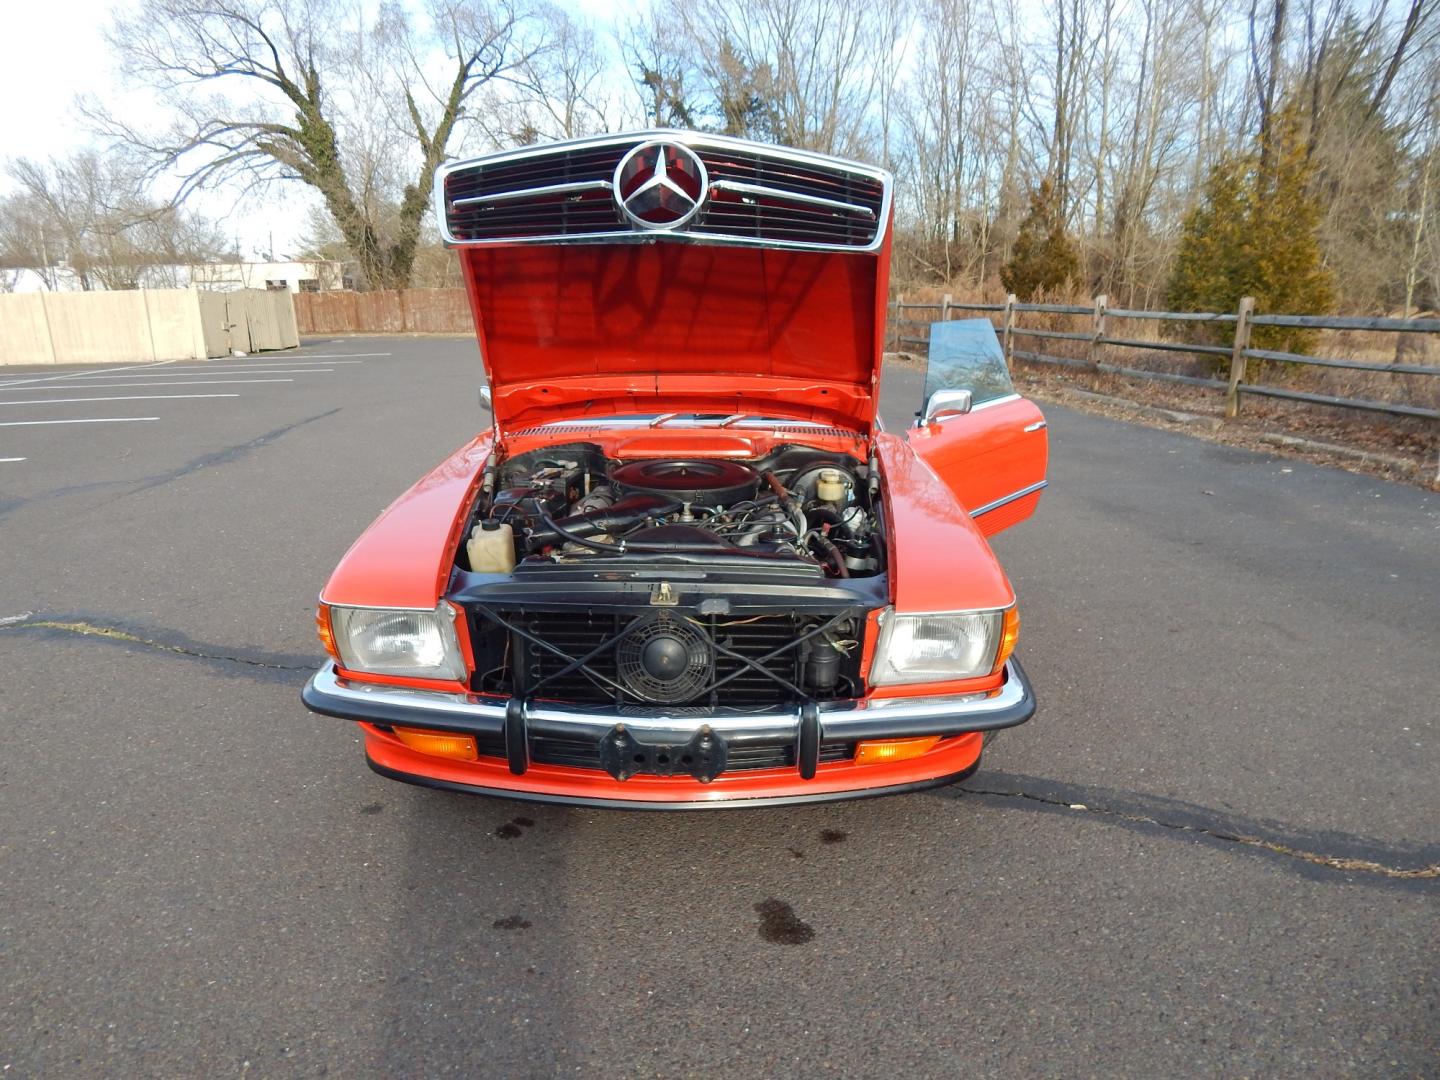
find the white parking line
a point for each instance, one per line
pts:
(218, 365)
(299, 361)
(268, 371)
(82, 374)
(2, 459)
(95, 420)
(124, 397)
(132, 386)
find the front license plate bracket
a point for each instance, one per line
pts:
(627, 752)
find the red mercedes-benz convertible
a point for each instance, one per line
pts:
(687, 567)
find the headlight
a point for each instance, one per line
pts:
(417, 644)
(936, 648)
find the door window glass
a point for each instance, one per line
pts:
(965, 354)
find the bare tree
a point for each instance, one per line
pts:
(658, 60)
(801, 72)
(1267, 40)
(306, 91)
(941, 163)
(1123, 105)
(1072, 46)
(30, 240)
(562, 91)
(90, 215)
(894, 26)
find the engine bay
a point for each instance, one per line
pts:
(812, 509)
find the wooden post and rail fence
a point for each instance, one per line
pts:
(1096, 340)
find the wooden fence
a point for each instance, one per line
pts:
(386, 311)
(1096, 338)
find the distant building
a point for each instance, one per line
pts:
(308, 276)
(315, 275)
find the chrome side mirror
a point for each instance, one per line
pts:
(485, 402)
(945, 401)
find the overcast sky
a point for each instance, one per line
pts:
(58, 52)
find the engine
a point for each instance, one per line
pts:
(571, 503)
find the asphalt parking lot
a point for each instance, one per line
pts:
(1197, 860)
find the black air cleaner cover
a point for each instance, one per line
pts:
(706, 483)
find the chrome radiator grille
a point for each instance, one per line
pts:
(742, 193)
(565, 193)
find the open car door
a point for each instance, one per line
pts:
(985, 441)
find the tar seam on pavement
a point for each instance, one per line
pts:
(113, 633)
(1364, 866)
(83, 628)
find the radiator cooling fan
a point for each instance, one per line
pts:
(665, 660)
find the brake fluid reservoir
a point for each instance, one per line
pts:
(830, 487)
(491, 548)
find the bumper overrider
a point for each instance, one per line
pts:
(676, 758)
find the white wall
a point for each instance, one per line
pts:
(142, 325)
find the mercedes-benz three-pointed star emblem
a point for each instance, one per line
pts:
(660, 185)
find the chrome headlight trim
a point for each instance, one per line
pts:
(943, 646)
(376, 641)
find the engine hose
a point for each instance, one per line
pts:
(614, 518)
(838, 560)
(674, 547)
(788, 501)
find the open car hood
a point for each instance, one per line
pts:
(756, 284)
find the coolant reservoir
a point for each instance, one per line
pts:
(491, 548)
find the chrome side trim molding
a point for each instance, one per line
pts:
(763, 192)
(537, 192)
(1008, 499)
(994, 401)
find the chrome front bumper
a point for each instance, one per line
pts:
(866, 718)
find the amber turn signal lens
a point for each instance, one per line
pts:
(326, 632)
(876, 753)
(1009, 638)
(438, 743)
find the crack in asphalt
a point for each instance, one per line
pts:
(221, 457)
(84, 628)
(1331, 862)
(1058, 802)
